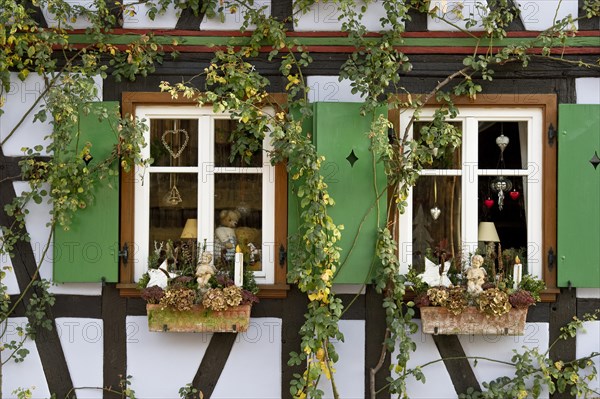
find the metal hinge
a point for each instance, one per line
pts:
(124, 254)
(551, 259)
(282, 255)
(551, 135)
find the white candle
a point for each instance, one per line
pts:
(238, 271)
(517, 273)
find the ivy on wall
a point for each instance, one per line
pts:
(232, 83)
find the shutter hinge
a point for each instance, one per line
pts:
(282, 255)
(551, 135)
(124, 254)
(551, 259)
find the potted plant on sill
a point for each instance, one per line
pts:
(186, 293)
(475, 301)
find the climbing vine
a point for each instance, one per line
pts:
(231, 83)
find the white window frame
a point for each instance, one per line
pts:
(469, 117)
(206, 170)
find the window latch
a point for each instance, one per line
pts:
(282, 255)
(551, 135)
(551, 259)
(124, 254)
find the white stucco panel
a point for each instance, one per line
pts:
(323, 16)
(438, 383)
(27, 374)
(350, 369)
(588, 341)
(136, 16)
(588, 92)
(331, 89)
(500, 347)
(254, 364)
(538, 15)
(36, 220)
(455, 11)
(80, 22)
(82, 341)
(234, 17)
(161, 363)
(19, 99)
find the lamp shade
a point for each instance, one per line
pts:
(191, 229)
(487, 232)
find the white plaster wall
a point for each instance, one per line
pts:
(136, 17)
(254, 363)
(161, 363)
(21, 96)
(588, 90)
(451, 10)
(330, 89)
(79, 23)
(82, 341)
(36, 222)
(323, 16)
(350, 369)
(26, 374)
(501, 348)
(538, 15)
(234, 20)
(588, 293)
(438, 383)
(588, 341)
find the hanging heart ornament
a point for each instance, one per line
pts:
(488, 203)
(435, 212)
(514, 194)
(175, 132)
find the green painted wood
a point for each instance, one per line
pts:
(87, 252)
(578, 196)
(339, 130)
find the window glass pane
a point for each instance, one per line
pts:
(238, 218)
(507, 210)
(492, 134)
(449, 160)
(436, 218)
(173, 201)
(174, 142)
(223, 130)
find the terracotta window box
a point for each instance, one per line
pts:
(438, 320)
(198, 319)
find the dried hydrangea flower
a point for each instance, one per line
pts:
(214, 299)
(233, 295)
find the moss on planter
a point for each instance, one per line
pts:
(198, 319)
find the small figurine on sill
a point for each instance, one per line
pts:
(205, 270)
(475, 275)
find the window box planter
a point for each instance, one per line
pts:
(198, 319)
(438, 320)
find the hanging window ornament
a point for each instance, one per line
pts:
(173, 198)
(514, 194)
(435, 211)
(501, 184)
(488, 202)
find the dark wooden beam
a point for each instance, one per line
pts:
(36, 13)
(587, 306)
(115, 338)
(188, 20)
(213, 362)
(24, 264)
(417, 21)
(517, 23)
(587, 23)
(292, 321)
(561, 313)
(283, 10)
(375, 328)
(83, 306)
(460, 370)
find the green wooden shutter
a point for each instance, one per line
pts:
(578, 196)
(338, 131)
(87, 252)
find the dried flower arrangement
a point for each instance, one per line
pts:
(182, 280)
(492, 294)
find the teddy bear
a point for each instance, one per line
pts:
(205, 270)
(475, 275)
(225, 238)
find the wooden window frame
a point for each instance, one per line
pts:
(549, 105)
(127, 285)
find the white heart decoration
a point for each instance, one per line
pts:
(177, 154)
(435, 212)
